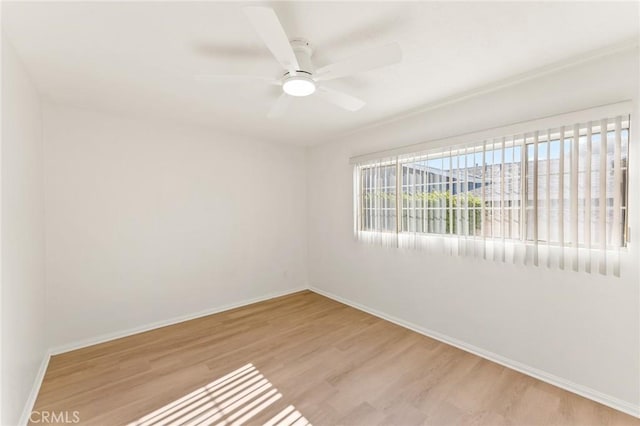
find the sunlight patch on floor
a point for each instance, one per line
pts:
(231, 400)
(289, 417)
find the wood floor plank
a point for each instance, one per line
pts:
(297, 360)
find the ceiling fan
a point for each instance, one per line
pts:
(300, 78)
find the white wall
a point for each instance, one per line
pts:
(22, 242)
(582, 328)
(149, 221)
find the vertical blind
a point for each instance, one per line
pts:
(553, 197)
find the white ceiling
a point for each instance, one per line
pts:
(140, 58)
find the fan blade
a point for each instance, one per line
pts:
(280, 106)
(348, 102)
(266, 23)
(236, 77)
(370, 59)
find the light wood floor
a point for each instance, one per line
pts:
(300, 359)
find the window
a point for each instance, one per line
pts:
(562, 188)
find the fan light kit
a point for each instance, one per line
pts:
(298, 85)
(300, 77)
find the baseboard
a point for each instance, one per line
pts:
(124, 333)
(615, 403)
(37, 382)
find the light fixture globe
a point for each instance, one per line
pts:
(299, 85)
